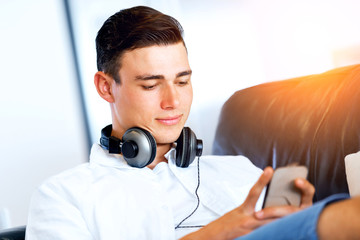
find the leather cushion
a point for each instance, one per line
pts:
(312, 120)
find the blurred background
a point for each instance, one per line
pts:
(50, 113)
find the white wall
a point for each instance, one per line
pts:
(237, 44)
(40, 122)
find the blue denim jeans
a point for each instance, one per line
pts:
(300, 225)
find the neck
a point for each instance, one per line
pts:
(161, 150)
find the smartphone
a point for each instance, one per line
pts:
(281, 189)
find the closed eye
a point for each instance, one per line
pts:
(148, 87)
(183, 83)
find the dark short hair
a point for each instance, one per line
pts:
(130, 29)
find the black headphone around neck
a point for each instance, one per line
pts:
(138, 146)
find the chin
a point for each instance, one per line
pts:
(167, 136)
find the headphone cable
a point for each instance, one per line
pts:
(198, 201)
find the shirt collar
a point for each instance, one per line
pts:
(102, 156)
(171, 156)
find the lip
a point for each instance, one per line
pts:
(172, 120)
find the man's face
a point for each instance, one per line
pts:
(155, 92)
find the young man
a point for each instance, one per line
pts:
(145, 76)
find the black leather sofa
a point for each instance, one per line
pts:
(312, 120)
(16, 233)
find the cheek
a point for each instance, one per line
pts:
(138, 106)
(131, 98)
(129, 107)
(187, 100)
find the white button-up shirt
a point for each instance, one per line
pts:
(107, 199)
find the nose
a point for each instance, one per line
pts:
(170, 98)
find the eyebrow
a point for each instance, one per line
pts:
(155, 77)
(184, 73)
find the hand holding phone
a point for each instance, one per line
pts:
(282, 190)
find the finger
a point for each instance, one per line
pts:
(307, 190)
(255, 191)
(254, 223)
(275, 212)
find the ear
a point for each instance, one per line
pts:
(102, 83)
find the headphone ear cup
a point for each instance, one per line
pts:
(181, 148)
(139, 147)
(185, 148)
